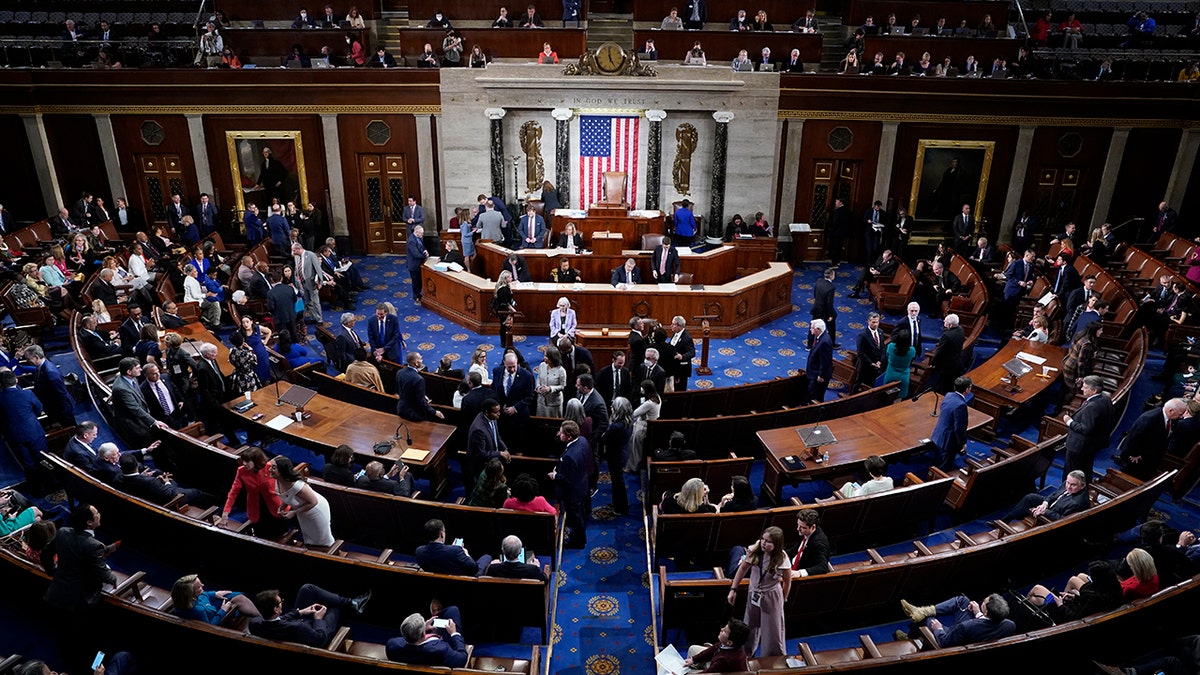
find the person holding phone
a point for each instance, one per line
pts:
(430, 642)
(440, 558)
(514, 565)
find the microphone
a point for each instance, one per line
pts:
(934, 412)
(278, 398)
(407, 434)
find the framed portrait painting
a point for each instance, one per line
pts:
(267, 165)
(949, 174)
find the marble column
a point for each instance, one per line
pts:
(791, 173)
(200, 155)
(1181, 172)
(654, 159)
(427, 189)
(716, 210)
(887, 157)
(1016, 183)
(112, 160)
(496, 115)
(43, 162)
(1108, 179)
(335, 210)
(562, 154)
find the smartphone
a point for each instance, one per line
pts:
(441, 623)
(458, 541)
(257, 417)
(360, 474)
(98, 660)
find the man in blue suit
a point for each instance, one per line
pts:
(280, 232)
(531, 229)
(410, 386)
(820, 361)
(19, 410)
(1018, 279)
(422, 644)
(383, 332)
(49, 387)
(950, 433)
(254, 225)
(664, 263)
(206, 215)
(514, 386)
(969, 621)
(439, 558)
(413, 214)
(570, 477)
(416, 254)
(626, 275)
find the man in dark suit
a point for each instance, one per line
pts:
(19, 411)
(570, 478)
(440, 558)
(811, 557)
(514, 385)
(964, 229)
(104, 289)
(277, 227)
(1070, 497)
(946, 361)
(281, 303)
(1143, 446)
(637, 344)
(484, 441)
(422, 644)
(870, 354)
(531, 230)
(945, 285)
(819, 368)
(75, 560)
(685, 351)
(949, 435)
(593, 406)
(210, 387)
(345, 341)
(81, 209)
(1024, 232)
(383, 332)
(1064, 279)
(515, 265)
(95, 344)
(79, 450)
(664, 262)
(793, 64)
(885, 266)
(131, 330)
(61, 226)
(412, 403)
(695, 13)
(626, 275)
(49, 387)
(615, 380)
(651, 370)
(572, 356)
(6, 221)
(170, 315)
(397, 481)
(259, 285)
(313, 622)
(836, 228)
(415, 255)
(131, 414)
(970, 622)
(1019, 277)
(472, 402)
(1165, 219)
(822, 307)
(982, 254)
(1078, 299)
(875, 225)
(256, 230)
(514, 566)
(164, 401)
(175, 213)
(206, 215)
(155, 487)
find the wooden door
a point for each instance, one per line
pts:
(159, 176)
(382, 178)
(1057, 200)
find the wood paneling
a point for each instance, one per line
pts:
(288, 10)
(1145, 168)
(929, 10)
(20, 192)
(721, 48)
(781, 13)
(420, 11)
(514, 43)
(815, 150)
(266, 47)
(1191, 199)
(353, 141)
(75, 147)
(984, 50)
(1070, 195)
(175, 141)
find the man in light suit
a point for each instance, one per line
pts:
(615, 380)
(412, 404)
(531, 229)
(131, 415)
(206, 215)
(964, 229)
(664, 263)
(514, 385)
(310, 278)
(949, 435)
(1070, 497)
(383, 333)
(49, 387)
(626, 275)
(413, 214)
(75, 560)
(685, 351)
(483, 442)
(819, 368)
(345, 341)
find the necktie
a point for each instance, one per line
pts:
(662, 263)
(357, 340)
(531, 228)
(616, 382)
(507, 383)
(875, 335)
(495, 440)
(381, 330)
(799, 552)
(161, 392)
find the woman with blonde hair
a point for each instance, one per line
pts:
(550, 378)
(479, 365)
(100, 310)
(770, 580)
(691, 498)
(310, 509)
(1144, 580)
(193, 602)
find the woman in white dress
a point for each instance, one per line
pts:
(479, 365)
(309, 509)
(551, 378)
(646, 412)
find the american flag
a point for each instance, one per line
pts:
(606, 143)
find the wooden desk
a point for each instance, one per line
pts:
(716, 266)
(752, 254)
(602, 345)
(266, 47)
(985, 50)
(992, 396)
(739, 306)
(631, 227)
(896, 430)
(334, 422)
(195, 333)
(500, 43)
(721, 47)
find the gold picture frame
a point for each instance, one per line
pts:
(246, 166)
(943, 192)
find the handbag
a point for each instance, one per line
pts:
(299, 304)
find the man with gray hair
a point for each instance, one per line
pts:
(514, 565)
(210, 387)
(652, 371)
(345, 342)
(969, 621)
(131, 415)
(819, 368)
(685, 351)
(1089, 429)
(309, 278)
(50, 388)
(1070, 497)
(423, 643)
(1143, 447)
(946, 361)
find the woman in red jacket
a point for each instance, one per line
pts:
(262, 504)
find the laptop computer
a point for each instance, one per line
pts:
(293, 64)
(896, 30)
(321, 63)
(920, 30)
